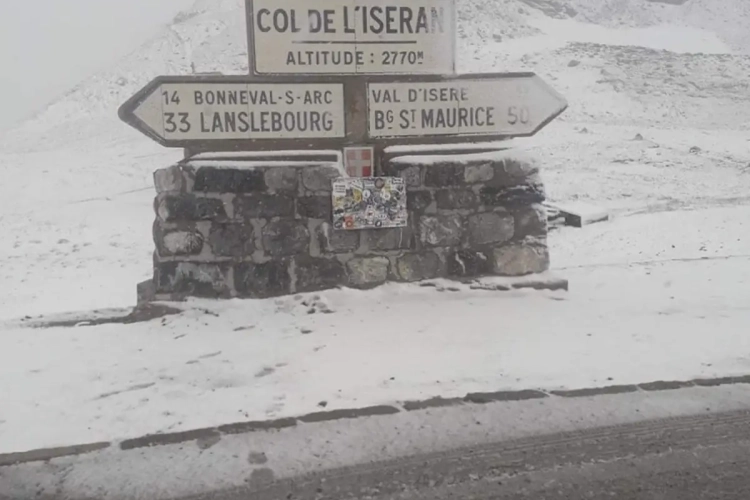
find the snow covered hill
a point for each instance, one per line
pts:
(675, 75)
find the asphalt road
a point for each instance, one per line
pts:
(703, 457)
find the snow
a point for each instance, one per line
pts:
(661, 288)
(465, 159)
(221, 362)
(249, 164)
(264, 154)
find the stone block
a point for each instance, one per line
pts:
(396, 238)
(419, 266)
(515, 171)
(286, 237)
(512, 197)
(315, 207)
(367, 272)
(145, 292)
(231, 240)
(531, 221)
(469, 263)
(281, 178)
(320, 178)
(520, 259)
(412, 174)
(451, 199)
(491, 227)
(313, 274)
(189, 207)
(444, 175)
(418, 201)
(333, 241)
(206, 280)
(257, 281)
(229, 180)
(171, 180)
(474, 174)
(440, 230)
(177, 242)
(264, 206)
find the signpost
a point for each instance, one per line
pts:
(348, 37)
(492, 106)
(396, 85)
(180, 111)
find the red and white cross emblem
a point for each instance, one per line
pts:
(358, 161)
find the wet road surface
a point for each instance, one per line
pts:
(702, 457)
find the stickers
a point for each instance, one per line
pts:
(369, 202)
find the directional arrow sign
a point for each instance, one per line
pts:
(487, 105)
(190, 110)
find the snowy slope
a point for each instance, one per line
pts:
(77, 211)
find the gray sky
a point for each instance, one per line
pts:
(48, 46)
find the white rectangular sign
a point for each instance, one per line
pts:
(352, 36)
(225, 111)
(513, 106)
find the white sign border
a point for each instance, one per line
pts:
(252, 60)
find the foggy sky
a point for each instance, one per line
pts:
(48, 46)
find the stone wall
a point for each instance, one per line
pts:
(242, 229)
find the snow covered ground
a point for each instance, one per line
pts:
(654, 297)
(657, 132)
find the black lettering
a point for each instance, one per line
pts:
(276, 125)
(479, 117)
(328, 97)
(290, 61)
(404, 115)
(491, 116)
(438, 20)
(281, 21)
(170, 125)
(376, 14)
(198, 98)
(204, 128)
(379, 119)
(328, 21)
(406, 17)
(347, 27)
(293, 19)
(244, 124)
(463, 117)
(289, 97)
(428, 118)
(327, 121)
(451, 116)
(422, 22)
(184, 123)
(316, 21)
(230, 122)
(390, 20)
(315, 121)
(218, 126)
(259, 17)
